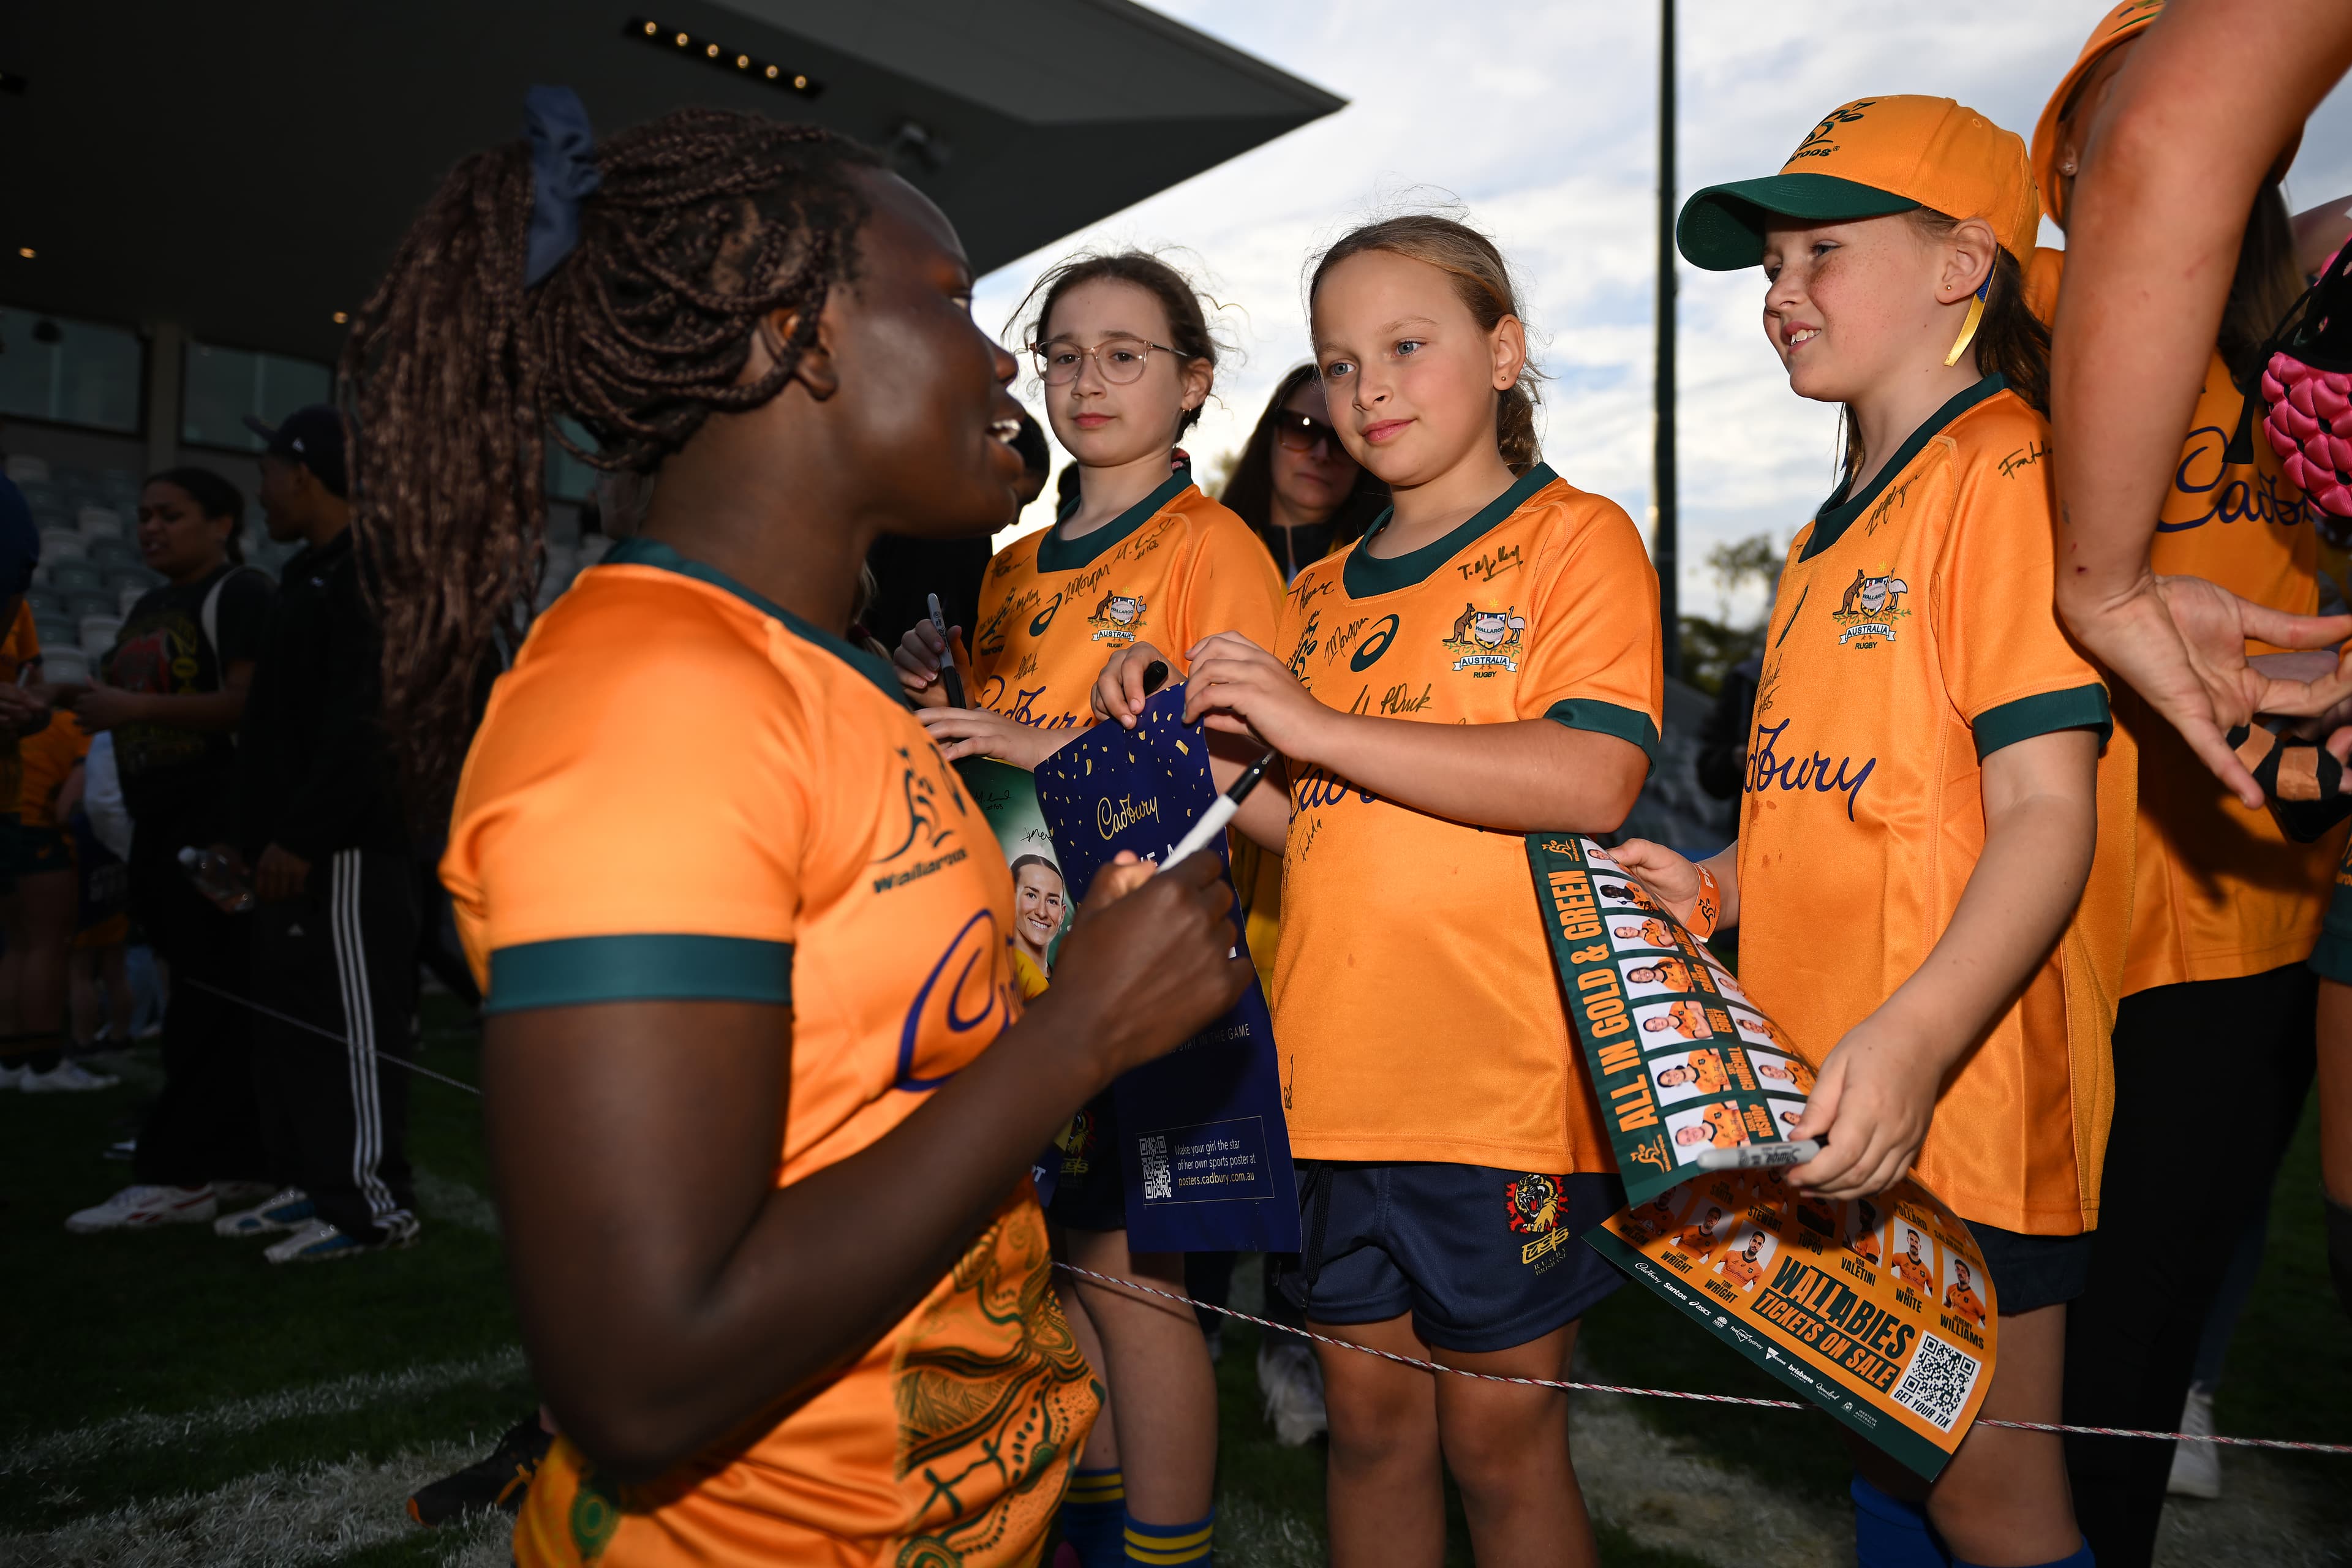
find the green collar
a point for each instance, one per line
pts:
(640, 551)
(1056, 554)
(1836, 516)
(1364, 575)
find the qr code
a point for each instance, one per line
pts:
(1936, 1386)
(1156, 1181)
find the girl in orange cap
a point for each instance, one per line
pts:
(1925, 767)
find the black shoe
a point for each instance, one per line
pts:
(500, 1481)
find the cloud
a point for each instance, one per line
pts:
(1541, 119)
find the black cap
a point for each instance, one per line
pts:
(312, 437)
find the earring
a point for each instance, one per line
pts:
(1969, 327)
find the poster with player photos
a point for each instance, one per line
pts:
(1880, 1311)
(1203, 1144)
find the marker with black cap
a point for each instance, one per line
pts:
(947, 676)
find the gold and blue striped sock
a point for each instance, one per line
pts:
(1094, 1515)
(1172, 1545)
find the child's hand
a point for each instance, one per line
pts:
(1671, 879)
(1870, 1106)
(1118, 690)
(979, 732)
(1238, 688)
(918, 657)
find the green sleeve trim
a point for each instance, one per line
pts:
(2079, 708)
(1608, 718)
(578, 970)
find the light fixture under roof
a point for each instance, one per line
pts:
(724, 57)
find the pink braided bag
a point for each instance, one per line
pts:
(2307, 386)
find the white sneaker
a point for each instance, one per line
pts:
(243, 1194)
(65, 1078)
(1293, 1385)
(2196, 1466)
(144, 1208)
(289, 1210)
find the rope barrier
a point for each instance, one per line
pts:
(1419, 1364)
(1413, 1361)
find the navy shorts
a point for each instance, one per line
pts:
(2031, 1271)
(1090, 1193)
(1483, 1259)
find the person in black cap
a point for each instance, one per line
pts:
(335, 927)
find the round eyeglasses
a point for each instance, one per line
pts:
(1121, 361)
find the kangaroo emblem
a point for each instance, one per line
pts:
(1486, 628)
(1873, 595)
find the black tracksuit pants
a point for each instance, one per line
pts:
(343, 958)
(2184, 1172)
(206, 1125)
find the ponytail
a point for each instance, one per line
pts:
(702, 223)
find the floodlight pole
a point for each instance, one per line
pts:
(1666, 547)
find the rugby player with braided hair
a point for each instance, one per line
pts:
(780, 1275)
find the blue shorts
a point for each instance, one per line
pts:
(1483, 1259)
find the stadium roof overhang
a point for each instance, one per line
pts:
(243, 172)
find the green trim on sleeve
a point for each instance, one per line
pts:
(2078, 707)
(1608, 718)
(578, 970)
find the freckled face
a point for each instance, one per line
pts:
(1847, 304)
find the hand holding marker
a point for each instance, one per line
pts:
(1221, 810)
(1759, 1156)
(947, 676)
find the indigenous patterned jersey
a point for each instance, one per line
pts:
(2217, 890)
(811, 850)
(1414, 1005)
(1912, 637)
(1174, 568)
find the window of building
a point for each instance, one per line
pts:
(221, 386)
(70, 371)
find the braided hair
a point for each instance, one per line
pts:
(705, 221)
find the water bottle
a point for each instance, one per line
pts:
(216, 879)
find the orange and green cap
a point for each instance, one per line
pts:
(1867, 159)
(2126, 22)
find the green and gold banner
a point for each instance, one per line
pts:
(1879, 1311)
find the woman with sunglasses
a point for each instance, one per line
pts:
(1122, 345)
(1295, 485)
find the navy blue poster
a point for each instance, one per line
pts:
(1205, 1151)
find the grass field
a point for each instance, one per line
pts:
(167, 1397)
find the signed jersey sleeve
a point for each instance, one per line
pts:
(2217, 890)
(1172, 569)
(1415, 1011)
(742, 810)
(1913, 637)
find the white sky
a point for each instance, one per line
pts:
(1541, 119)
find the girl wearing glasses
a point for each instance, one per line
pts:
(1122, 345)
(1295, 484)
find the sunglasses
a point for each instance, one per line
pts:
(1299, 433)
